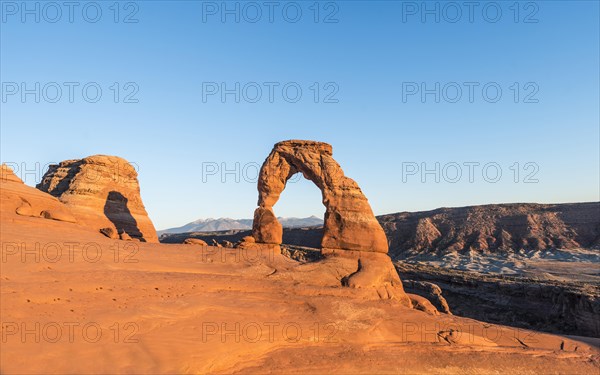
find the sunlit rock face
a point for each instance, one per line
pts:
(102, 192)
(16, 197)
(349, 220)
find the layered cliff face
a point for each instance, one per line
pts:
(497, 227)
(102, 192)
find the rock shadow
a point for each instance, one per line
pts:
(63, 183)
(117, 212)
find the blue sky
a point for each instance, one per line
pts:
(370, 61)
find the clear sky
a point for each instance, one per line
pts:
(371, 60)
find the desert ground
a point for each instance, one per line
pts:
(156, 308)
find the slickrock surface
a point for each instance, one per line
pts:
(16, 197)
(109, 306)
(349, 220)
(493, 228)
(102, 192)
(7, 174)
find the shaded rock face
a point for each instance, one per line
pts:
(349, 220)
(117, 211)
(497, 227)
(430, 291)
(102, 192)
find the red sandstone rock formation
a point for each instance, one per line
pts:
(194, 241)
(349, 220)
(353, 241)
(102, 192)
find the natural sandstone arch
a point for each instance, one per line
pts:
(349, 220)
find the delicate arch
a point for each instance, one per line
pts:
(349, 220)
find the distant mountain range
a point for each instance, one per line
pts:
(224, 224)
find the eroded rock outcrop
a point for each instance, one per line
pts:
(102, 192)
(430, 291)
(349, 220)
(26, 201)
(194, 241)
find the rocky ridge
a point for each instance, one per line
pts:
(494, 228)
